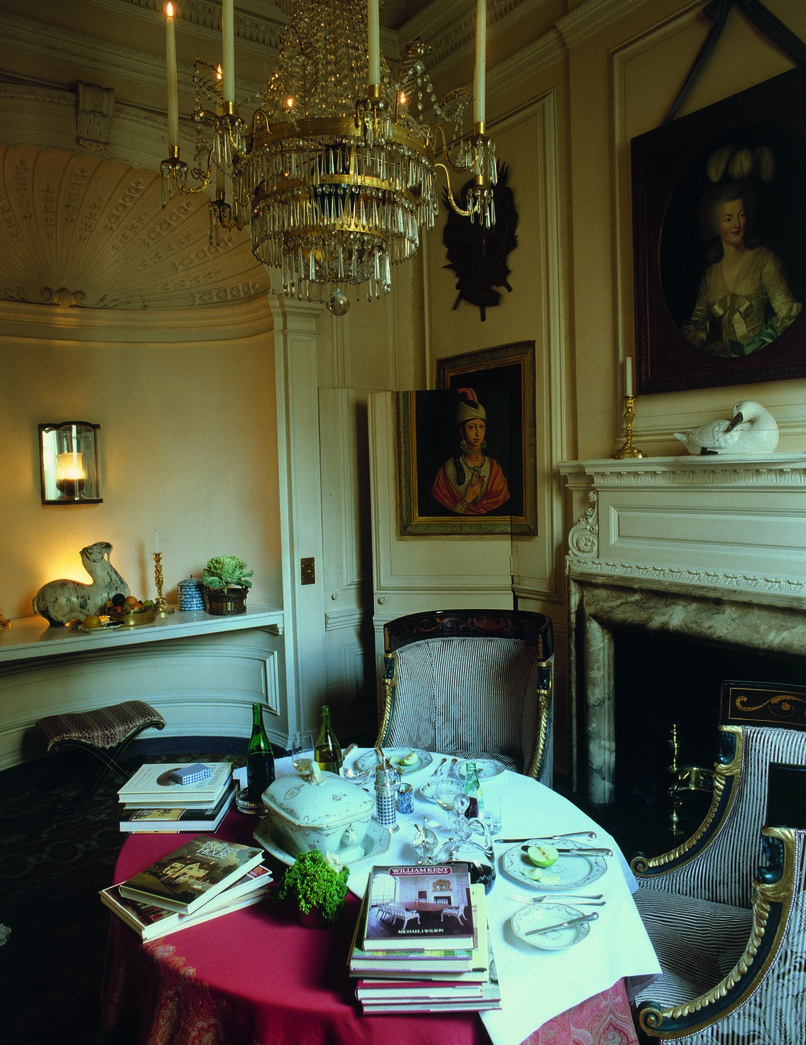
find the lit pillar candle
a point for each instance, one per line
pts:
(173, 91)
(628, 385)
(374, 33)
(228, 31)
(481, 61)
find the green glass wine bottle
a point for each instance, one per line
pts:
(327, 752)
(259, 758)
(472, 790)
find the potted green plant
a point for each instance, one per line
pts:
(318, 886)
(226, 579)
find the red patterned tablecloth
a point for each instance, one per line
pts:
(256, 976)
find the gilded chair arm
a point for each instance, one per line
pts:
(545, 684)
(389, 693)
(774, 890)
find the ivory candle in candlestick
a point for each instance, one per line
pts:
(173, 90)
(479, 104)
(156, 542)
(628, 385)
(374, 33)
(228, 31)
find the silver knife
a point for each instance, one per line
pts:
(564, 925)
(584, 851)
(549, 838)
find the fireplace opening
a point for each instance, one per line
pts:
(666, 680)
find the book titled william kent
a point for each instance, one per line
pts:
(416, 906)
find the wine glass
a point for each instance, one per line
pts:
(425, 841)
(302, 751)
(449, 786)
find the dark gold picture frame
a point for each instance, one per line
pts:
(503, 379)
(669, 178)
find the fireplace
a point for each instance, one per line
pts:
(686, 553)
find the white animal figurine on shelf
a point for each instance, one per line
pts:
(752, 431)
(61, 601)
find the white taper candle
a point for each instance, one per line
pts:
(374, 35)
(628, 385)
(228, 32)
(173, 91)
(479, 91)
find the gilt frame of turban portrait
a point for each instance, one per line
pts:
(700, 321)
(467, 448)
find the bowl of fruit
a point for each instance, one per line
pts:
(129, 610)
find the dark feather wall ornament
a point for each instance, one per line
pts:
(478, 255)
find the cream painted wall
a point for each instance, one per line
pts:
(188, 447)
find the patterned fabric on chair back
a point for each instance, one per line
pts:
(466, 683)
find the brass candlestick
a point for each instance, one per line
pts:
(628, 449)
(163, 609)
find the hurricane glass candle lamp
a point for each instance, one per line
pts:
(68, 455)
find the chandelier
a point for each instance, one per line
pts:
(336, 170)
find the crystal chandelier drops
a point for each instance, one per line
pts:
(335, 174)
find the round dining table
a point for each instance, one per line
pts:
(257, 977)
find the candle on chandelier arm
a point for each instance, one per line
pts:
(173, 90)
(228, 30)
(374, 34)
(479, 104)
(628, 384)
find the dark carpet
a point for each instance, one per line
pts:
(52, 868)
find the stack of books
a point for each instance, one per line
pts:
(421, 942)
(203, 879)
(179, 797)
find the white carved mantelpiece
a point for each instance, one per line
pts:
(712, 549)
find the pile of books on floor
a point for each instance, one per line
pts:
(201, 880)
(174, 797)
(422, 943)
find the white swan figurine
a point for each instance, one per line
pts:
(751, 431)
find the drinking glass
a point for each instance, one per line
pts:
(302, 751)
(491, 812)
(449, 786)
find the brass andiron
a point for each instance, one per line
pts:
(163, 609)
(628, 449)
(683, 778)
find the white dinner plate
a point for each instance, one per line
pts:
(394, 754)
(543, 915)
(569, 872)
(376, 842)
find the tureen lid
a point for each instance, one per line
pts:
(326, 800)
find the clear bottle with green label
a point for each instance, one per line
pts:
(327, 751)
(472, 790)
(259, 758)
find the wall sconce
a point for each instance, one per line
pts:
(68, 456)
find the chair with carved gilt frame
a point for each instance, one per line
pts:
(730, 934)
(471, 683)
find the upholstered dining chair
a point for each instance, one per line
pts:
(729, 933)
(471, 683)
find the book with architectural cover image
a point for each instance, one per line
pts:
(154, 785)
(190, 876)
(175, 820)
(419, 907)
(151, 922)
(446, 965)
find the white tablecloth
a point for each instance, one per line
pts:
(536, 985)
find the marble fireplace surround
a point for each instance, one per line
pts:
(706, 549)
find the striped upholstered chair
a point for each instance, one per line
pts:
(731, 937)
(471, 683)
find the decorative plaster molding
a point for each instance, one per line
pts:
(577, 567)
(95, 107)
(583, 540)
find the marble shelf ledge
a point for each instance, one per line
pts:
(32, 638)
